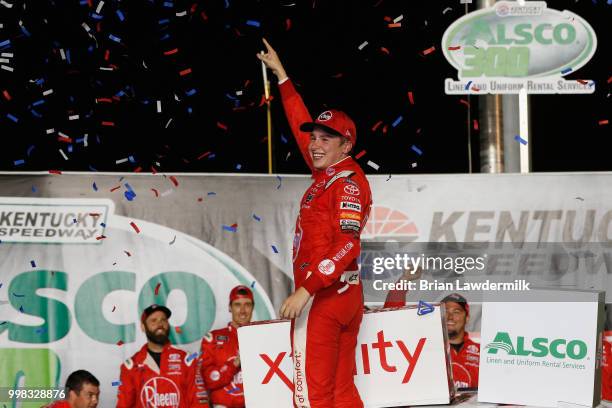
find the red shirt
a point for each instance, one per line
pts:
(465, 363)
(176, 384)
(223, 379)
(58, 404)
(606, 371)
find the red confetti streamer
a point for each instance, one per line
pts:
(171, 52)
(376, 125)
(106, 55)
(120, 343)
(610, 80)
(395, 25)
(153, 170)
(100, 237)
(204, 16)
(476, 124)
(107, 100)
(95, 214)
(174, 181)
(115, 188)
(178, 330)
(234, 226)
(429, 50)
(360, 154)
(156, 192)
(107, 123)
(157, 288)
(135, 227)
(200, 199)
(222, 126)
(185, 72)
(385, 128)
(582, 81)
(411, 97)
(64, 139)
(458, 47)
(603, 122)
(387, 19)
(55, 172)
(6, 95)
(288, 24)
(339, 75)
(463, 101)
(386, 51)
(138, 169)
(203, 155)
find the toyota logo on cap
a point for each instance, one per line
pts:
(327, 115)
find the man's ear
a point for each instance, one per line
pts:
(142, 327)
(348, 146)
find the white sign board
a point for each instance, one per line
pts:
(541, 353)
(412, 347)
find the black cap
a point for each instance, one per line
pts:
(154, 308)
(460, 300)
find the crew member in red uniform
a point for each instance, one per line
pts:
(606, 370)
(160, 375)
(327, 304)
(465, 353)
(220, 354)
(82, 391)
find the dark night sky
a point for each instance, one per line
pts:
(217, 40)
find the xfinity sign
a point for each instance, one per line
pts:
(510, 47)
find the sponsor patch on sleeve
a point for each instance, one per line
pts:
(327, 267)
(350, 225)
(350, 206)
(350, 216)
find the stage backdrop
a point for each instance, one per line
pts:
(82, 254)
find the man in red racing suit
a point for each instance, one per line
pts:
(159, 375)
(327, 305)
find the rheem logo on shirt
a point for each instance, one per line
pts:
(150, 396)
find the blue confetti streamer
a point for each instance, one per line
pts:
(566, 71)
(520, 139)
(253, 23)
(114, 38)
(33, 189)
(168, 4)
(33, 264)
(397, 121)
(39, 102)
(256, 217)
(192, 356)
(283, 138)
(5, 43)
(191, 92)
(274, 249)
(238, 166)
(11, 117)
(19, 162)
(229, 228)
(30, 150)
(21, 309)
(120, 15)
(102, 224)
(252, 284)
(417, 150)
(70, 148)
(129, 195)
(95, 187)
(116, 383)
(211, 193)
(41, 330)
(92, 168)
(131, 159)
(163, 21)
(227, 4)
(280, 182)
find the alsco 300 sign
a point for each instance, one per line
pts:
(510, 47)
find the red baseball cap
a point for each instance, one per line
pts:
(334, 122)
(241, 291)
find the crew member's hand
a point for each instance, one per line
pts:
(409, 276)
(237, 361)
(272, 61)
(293, 305)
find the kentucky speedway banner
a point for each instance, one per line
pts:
(82, 254)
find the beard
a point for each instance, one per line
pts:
(159, 339)
(452, 334)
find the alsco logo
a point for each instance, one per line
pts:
(539, 347)
(518, 42)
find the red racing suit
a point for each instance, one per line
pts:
(606, 371)
(465, 363)
(223, 379)
(58, 404)
(326, 246)
(177, 383)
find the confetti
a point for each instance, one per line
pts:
(416, 150)
(229, 228)
(256, 218)
(120, 343)
(429, 50)
(193, 355)
(21, 309)
(603, 122)
(135, 227)
(280, 182)
(411, 97)
(173, 241)
(579, 198)
(397, 121)
(19, 162)
(253, 23)
(33, 264)
(157, 288)
(274, 249)
(114, 307)
(520, 139)
(41, 330)
(174, 181)
(95, 187)
(252, 284)
(178, 330)
(475, 124)
(127, 253)
(566, 71)
(372, 165)
(362, 46)
(360, 154)
(16, 295)
(116, 383)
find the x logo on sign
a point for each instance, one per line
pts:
(275, 369)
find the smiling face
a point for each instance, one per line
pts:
(86, 398)
(456, 318)
(326, 150)
(242, 311)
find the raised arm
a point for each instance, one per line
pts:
(294, 106)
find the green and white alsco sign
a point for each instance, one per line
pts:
(509, 47)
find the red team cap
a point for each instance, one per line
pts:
(334, 122)
(241, 291)
(460, 300)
